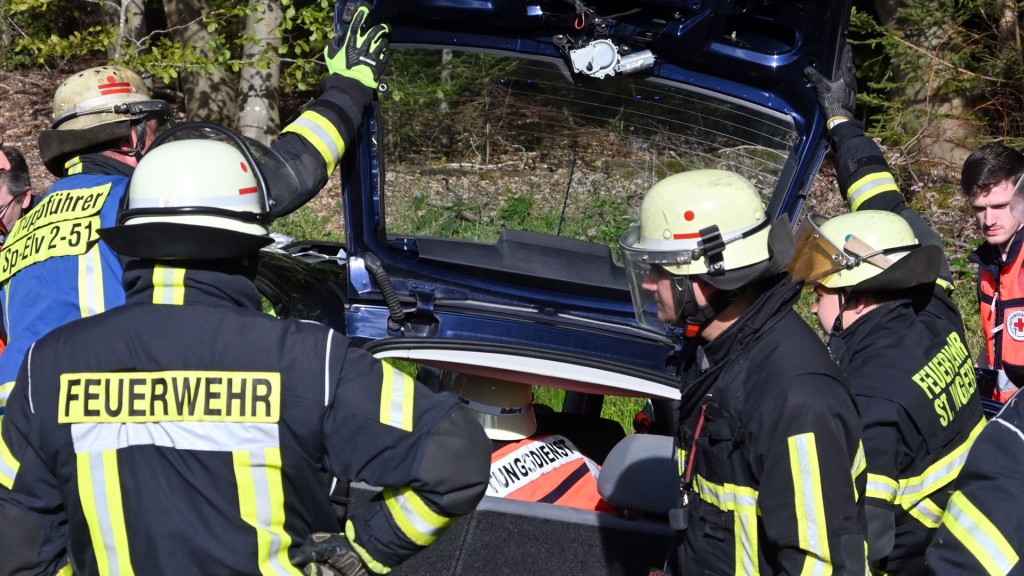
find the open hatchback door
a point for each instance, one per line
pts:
(509, 148)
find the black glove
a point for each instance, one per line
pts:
(361, 54)
(325, 554)
(837, 97)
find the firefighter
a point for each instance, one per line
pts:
(982, 530)
(526, 464)
(899, 339)
(187, 432)
(771, 467)
(880, 279)
(55, 269)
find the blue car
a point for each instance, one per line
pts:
(508, 150)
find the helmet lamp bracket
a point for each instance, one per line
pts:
(157, 108)
(713, 245)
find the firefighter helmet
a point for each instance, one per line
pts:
(91, 108)
(868, 250)
(101, 95)
(504, 408)
(1017, 200)
(706, 223)
(201, 192)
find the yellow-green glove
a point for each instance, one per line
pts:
(361, 54)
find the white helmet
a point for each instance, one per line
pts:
(504, 409)
(867, 250)
(707, 223)
(201, 192)
(94, 107)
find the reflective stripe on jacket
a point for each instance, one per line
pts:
(982, 530)
(913, 377)
(188, 433)
(778, 470)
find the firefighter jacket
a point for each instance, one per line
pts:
(548, 468)
(913, 378)
(55, 269)
(777, 471)
(187, 432)
(982, 530)
(1001, 303)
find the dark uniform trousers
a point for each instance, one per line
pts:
(186, 432)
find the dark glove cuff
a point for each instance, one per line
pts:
(351, 90)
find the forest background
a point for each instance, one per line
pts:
(937, 79)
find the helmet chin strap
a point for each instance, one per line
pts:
(692, 316)
(139, 129)
(837, 324)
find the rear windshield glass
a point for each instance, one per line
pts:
(478, 143)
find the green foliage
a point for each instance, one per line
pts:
(306, 224)
(604, 218)
(416, 94)
(935, 53)
(552, 397)
(617, 408)
(965, 296)
(622, 410)
(54, 32)
(515, 210)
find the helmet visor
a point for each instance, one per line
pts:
(274, 177)
(1017, 201)
(816, 256)
(644, 266)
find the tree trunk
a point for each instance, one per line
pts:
(209, 95)
(444, 136)
(5, 33)
(128, 18)
(1008, 27)
(258, 115)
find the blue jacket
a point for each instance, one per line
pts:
(54, 269)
